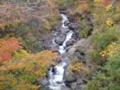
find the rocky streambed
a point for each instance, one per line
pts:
(64, 39)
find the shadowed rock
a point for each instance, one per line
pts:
(60, 39)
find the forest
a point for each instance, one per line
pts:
(33, 34)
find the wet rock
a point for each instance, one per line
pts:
(69, 78)
(56, 28)
(64, 31)
(43, 83)
(62, 10)
(71, 18)
(65, 88)
(60, 39)
(66, 23)
(54, 47)
(53, 69)
(80, 55)
(73, 26)
(70, 42)
(76, 36)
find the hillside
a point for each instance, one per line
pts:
(70, 44)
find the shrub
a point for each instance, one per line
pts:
(31, 44)
(96, 57)
(108, 78)
(65, 3)
(78, 67)
(30, 41)
(101, 40)
(84, 29)
(24, 69)
(12, 15)
(7, 48)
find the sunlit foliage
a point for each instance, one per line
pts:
(8, 47)
(101, 40)
(24, 69)
(106, 47)
(108, 77)
(111, 50)
(78, 67)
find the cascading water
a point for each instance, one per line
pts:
(56, 72)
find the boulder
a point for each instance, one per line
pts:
(70, 42)
(62, 10)
(60, 39)
(83, 45)
(66, 23)
(43, 83)
(64, 31)
(80, 55)
(69, 78)
(76, 36)
(73, 26)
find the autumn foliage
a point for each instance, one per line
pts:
(7, 47)
(106, 2)
(10, 15)
(24, 69)
(78, 67)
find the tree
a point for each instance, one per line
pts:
(8, 47)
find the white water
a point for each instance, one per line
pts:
(56, 78)
(68, 37)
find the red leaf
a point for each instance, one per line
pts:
(7, 47)
(106, 2)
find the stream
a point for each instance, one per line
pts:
(56, 73)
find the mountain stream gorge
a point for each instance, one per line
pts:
(56, 72)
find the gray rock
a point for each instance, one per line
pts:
(79, 55)
(64, 31)
(70, 42)
(73, 26)
(78, 87)
(73, 86)
(66, 23)
(54, 48)
(62, 10)
(60, 39)
(83, 45)
(76, 36)
(65, 88)
(43, 83)
(69, 76)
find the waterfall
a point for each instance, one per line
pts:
(56, 73)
